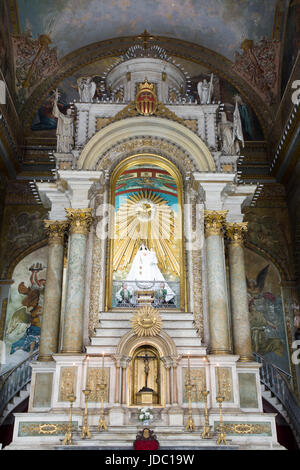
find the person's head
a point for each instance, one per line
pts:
(69, 112)
(124, 285)
(162, 285)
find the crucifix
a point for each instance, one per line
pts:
(146, 359)
(145, 37)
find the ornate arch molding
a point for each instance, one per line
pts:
(84, 56)
(139, 127)
(22, 255)
(284, 275)
(162, 342)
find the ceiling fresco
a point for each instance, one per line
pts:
(220, 25)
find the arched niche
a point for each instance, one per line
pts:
(168, 246)
(268, 324)
(156, 127)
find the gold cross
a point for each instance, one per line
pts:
(145, 37)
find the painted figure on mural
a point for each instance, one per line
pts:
(264, 320)
(24, 327)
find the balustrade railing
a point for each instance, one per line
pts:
(15, 380)
(128, 294)
(279, 383)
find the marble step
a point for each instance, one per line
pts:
(171, 324)
(164, 315)
(119, 332)
(114, 340)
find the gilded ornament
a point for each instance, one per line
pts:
(55, 230)
(80, 220)
(146, 321)
(146, 99)
(214, 222)
(236, 232)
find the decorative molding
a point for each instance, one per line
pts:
(245, 428)
(236, 232)
(80, 220)
(214, 222)
(146, 321)
(55, 230)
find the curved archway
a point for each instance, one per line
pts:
(157, 127)
(193, 52)
(162, 342)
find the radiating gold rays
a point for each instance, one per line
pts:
(146, 218)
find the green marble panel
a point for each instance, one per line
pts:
(248, 390)
(239, 428)
(43, 390)
(50, 428)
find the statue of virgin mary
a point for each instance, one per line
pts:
(145, 274)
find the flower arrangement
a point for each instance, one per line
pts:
(145, 415)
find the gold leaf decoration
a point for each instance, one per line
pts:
(146, 321)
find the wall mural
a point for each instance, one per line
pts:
(22, 227)
(25, 307)
(267, 317)
(219, 25)
(6, 65)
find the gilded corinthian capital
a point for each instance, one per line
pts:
(80, 220)
(55, 230)
(236, 231)
(214, 222)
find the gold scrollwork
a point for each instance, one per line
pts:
(55, 230)
(247, 428)
(45, 428)
(214, 222)
(80, 220)
(146, 321)
(236, 232)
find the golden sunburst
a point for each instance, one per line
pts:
(146, 321)
(146, 218)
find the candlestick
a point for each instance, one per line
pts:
(68, 437)
(87, 370)
(206, 434)
(101, 388)
(218, 377)
(103, 366)
(222, 435)
(190, 425)
(85, 428)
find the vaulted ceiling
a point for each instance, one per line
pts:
(220, 25)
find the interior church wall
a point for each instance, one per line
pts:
(267, 316)
(24, 308)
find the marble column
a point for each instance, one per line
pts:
(53, 289)
(168, 385)
(175, 385)
(238, 289)
(123, 396)
(117, 389)
(80, 221)
(216, 282)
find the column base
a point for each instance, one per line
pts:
(220, 352)
(249, 358)
(45, 358)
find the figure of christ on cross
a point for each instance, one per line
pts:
(146, 359)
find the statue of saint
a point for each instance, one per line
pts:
(145, 274)
(205, 90)
(65, 128)
(86, 89)
(161, 293)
